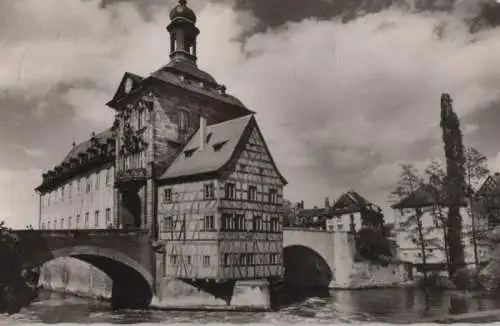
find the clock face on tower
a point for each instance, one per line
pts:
(128, 85)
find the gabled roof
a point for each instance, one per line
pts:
(351, 201)
(490, 186)
(224, 141)
(120, 92)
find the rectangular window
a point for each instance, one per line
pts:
(242, 259)
(274, 259)
(62, 223)
(275, 224)
(96, 219)
(62, 192)
(230, 191)
(168, 224)
(108, 217)
(250, 259)
(206, 261)
(97, 180)
(70, 189)
(226, 259)
(88, 186)
(239, 222)
(226, 222)
(69, 223)
(258, 225)
(173, 259)
(78, 186)
(188, 260)
(208, 191)
(208, 223)
(167, 195)
(77, 222)
(273, 196)
(108, 177)
(340, 226)
(252, 193)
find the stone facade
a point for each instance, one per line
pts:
(336, 251)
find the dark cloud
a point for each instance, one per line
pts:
(341, 102)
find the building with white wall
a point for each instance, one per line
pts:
(351, 212)
(406, 210)
(78, 193)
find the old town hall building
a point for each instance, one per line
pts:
(184, 160)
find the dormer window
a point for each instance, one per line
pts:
(218, 146)
(189, 152)
(183, 120)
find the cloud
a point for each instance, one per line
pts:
(339, 104)
(19, 205)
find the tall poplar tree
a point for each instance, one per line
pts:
(454, 181)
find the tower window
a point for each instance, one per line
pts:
(183, 120)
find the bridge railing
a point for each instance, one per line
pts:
(83, 232)
(288, 228)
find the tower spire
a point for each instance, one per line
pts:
(183, 33)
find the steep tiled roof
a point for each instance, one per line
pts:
(351, 201)
(193, 76)
(193, 161)
(84, 146)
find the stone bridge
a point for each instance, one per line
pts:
(314, 258)
(126, 256)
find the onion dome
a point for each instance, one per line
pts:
(183, 11)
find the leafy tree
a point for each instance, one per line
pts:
(454, 181)
(476, 168)
(373, 245)
(407, 187)
(433, 186)
(17, 286)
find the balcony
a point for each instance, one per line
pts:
(131, 176)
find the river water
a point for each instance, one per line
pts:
(380, 305)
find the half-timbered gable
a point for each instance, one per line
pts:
(220, 207)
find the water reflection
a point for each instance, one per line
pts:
(381, 305)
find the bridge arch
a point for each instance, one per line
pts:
(132, 279)
(305, 268)
(308, 258)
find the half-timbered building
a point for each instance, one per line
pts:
(221, 205)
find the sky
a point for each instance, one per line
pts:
(343, 96)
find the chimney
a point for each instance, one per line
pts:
(203, 132)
